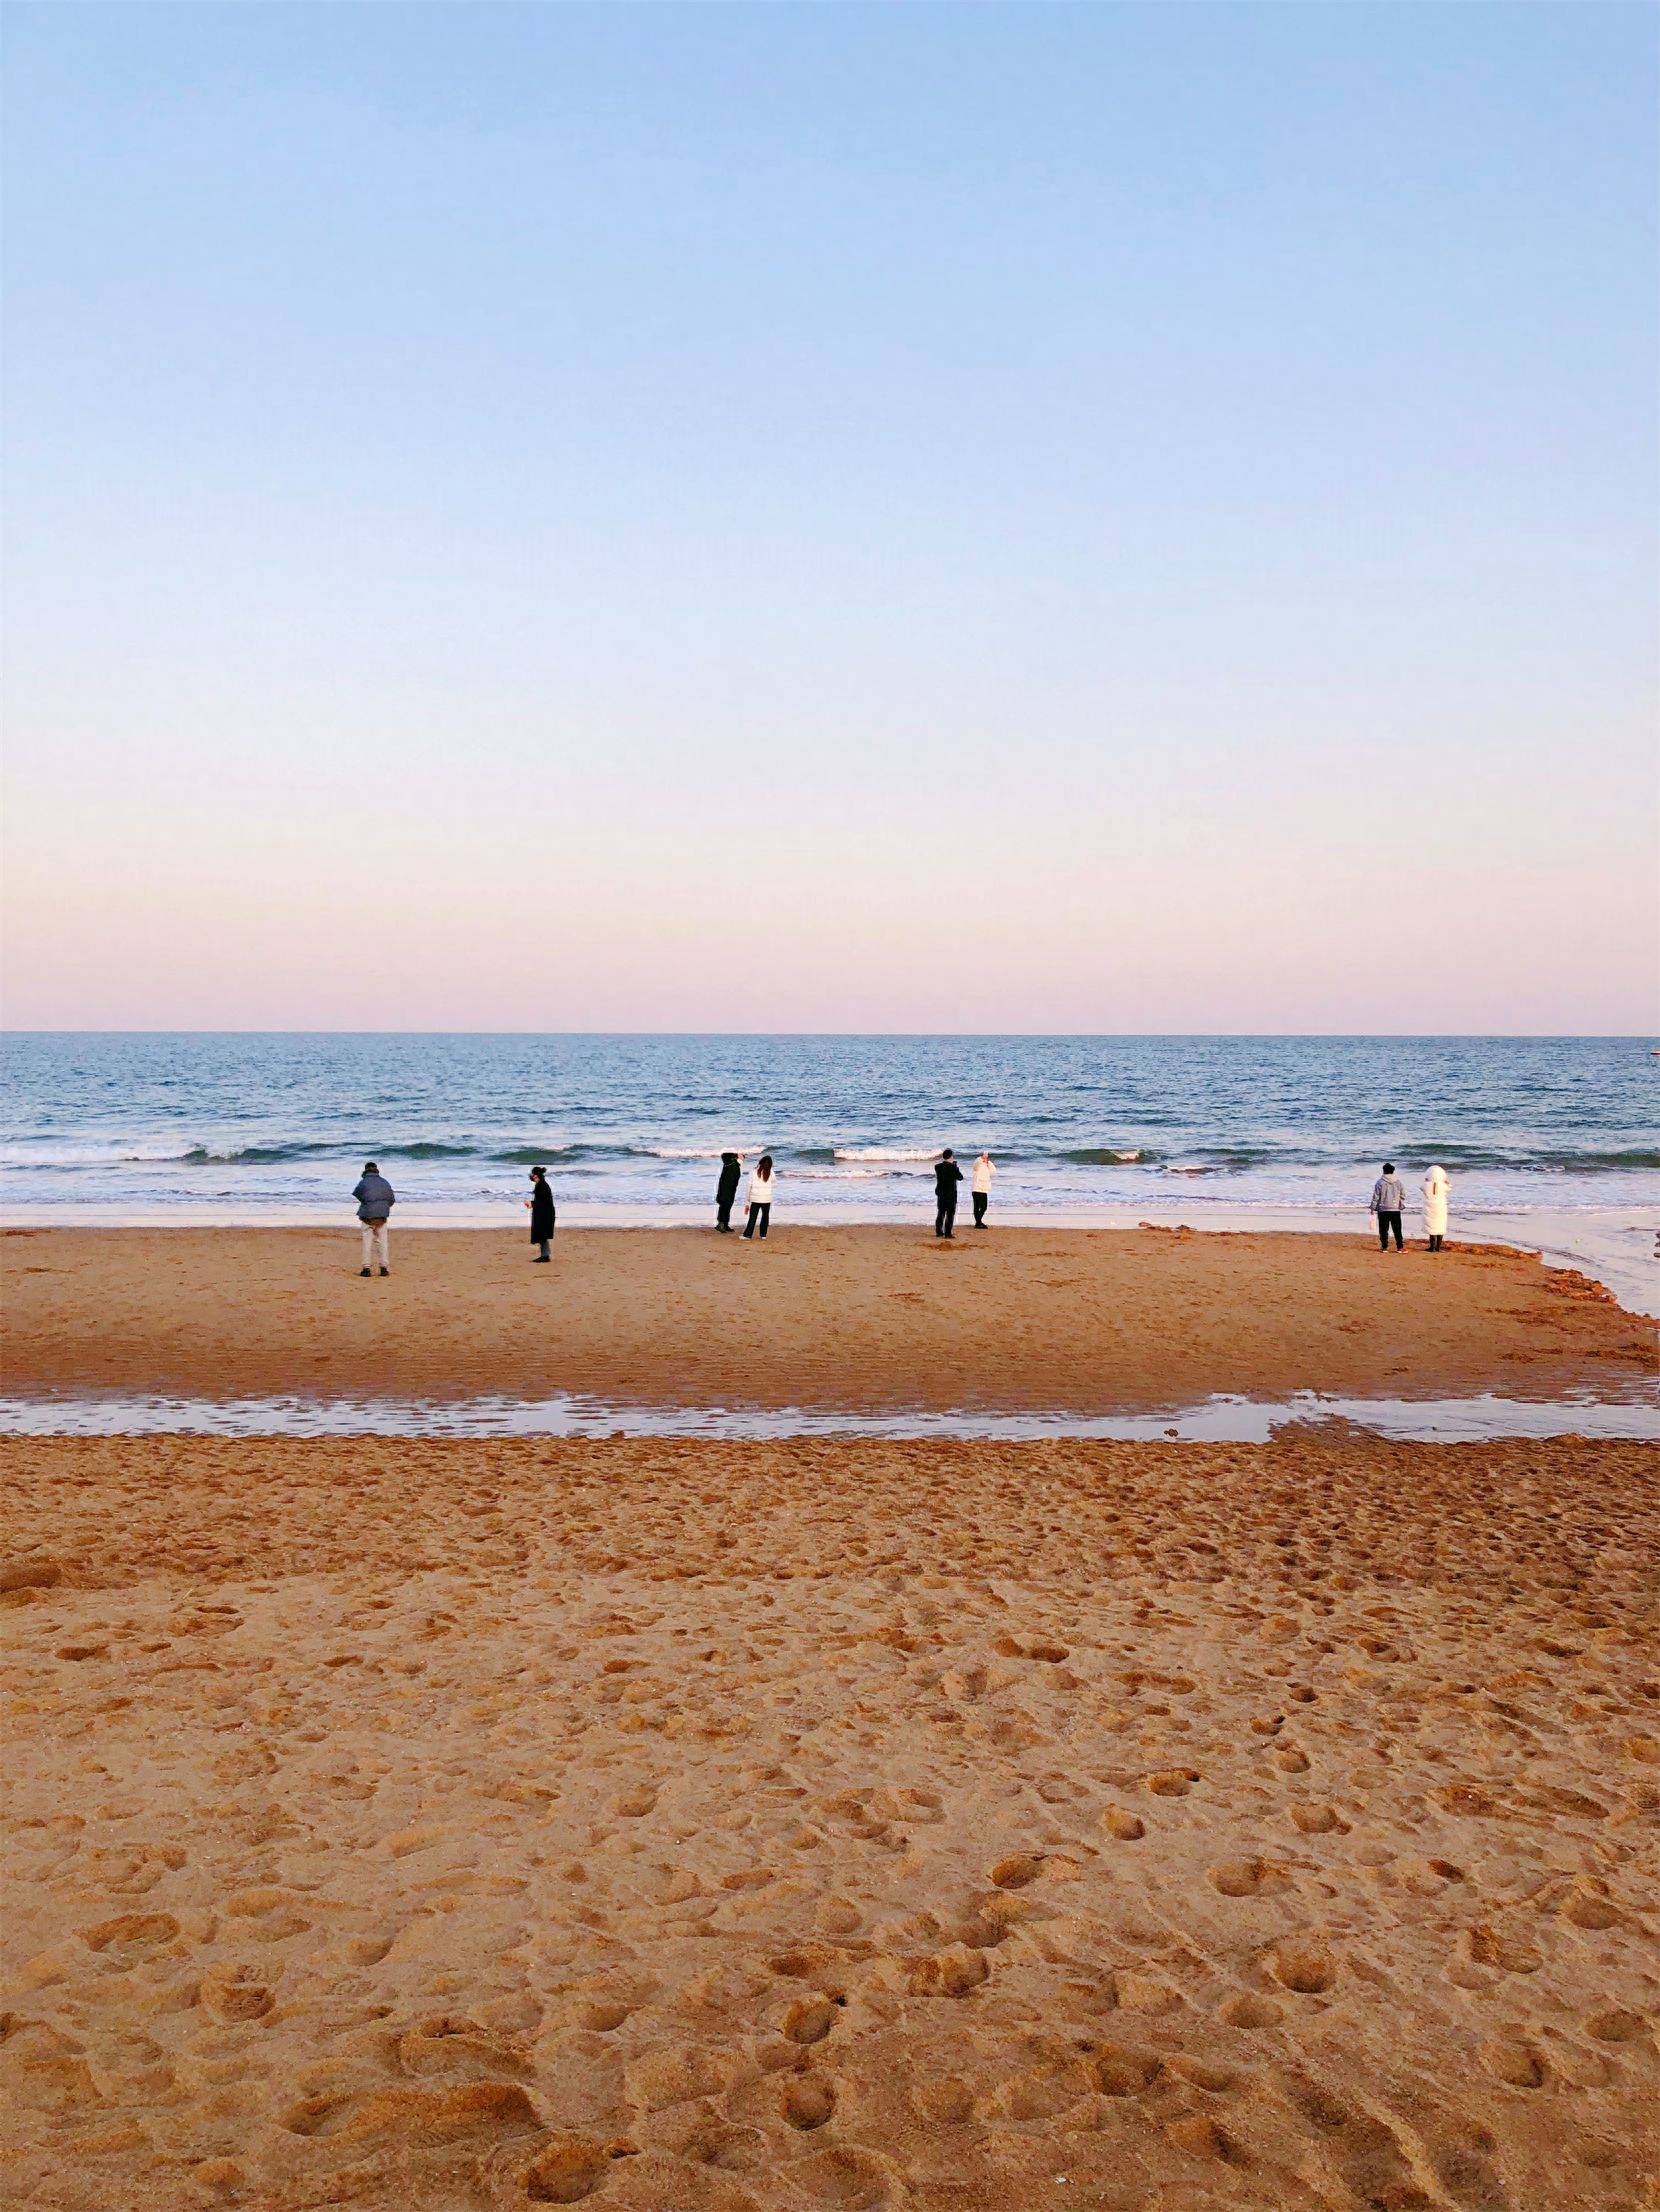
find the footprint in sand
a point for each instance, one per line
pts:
(636, 1803)
(1616, 2027)
(1215, 2081)
(856, 2180)
(1200, 2137)
(1248, 2011)
(1512, 1954)
(233, 1993)
(451, 2043)
(1514, 2061)
(130, 1934)
(1125, 1827)
(1173, 1781)
(1142, 1993)
(951, 1973)
(1304, 1967)
(1318, 1820)
(565, 2170)
(1015, 1872)
(1591, 1913)
(947, 2103)
(271, 1912)
(807, 2102)
(1118, 2072)
(811, 2020)
(1247, 1878)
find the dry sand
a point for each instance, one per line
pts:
(864, 1318)
(718, 1827)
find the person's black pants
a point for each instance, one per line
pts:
(723, 1213)
(1389, 1224)
(980, 1198)
(1435, 1244)
(756, 1225)
(544, 1248)
(945, 1217)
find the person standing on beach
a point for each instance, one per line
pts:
(1435, 1207)
(542, 1216)
(726, 1189)
(375, 1200)
(947, 1175)
(984, 1170)
(758, 1198)
(1388, 1203)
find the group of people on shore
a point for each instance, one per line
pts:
(1389, 1204)
(763, 1179)
(376, 1198)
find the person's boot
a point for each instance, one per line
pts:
(363, 1271)
(386, 1271)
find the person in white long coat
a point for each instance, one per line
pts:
(1435, 1207)
(758, 1198)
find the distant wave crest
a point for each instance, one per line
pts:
(885, 1153)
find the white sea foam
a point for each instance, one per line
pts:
(896, 1154)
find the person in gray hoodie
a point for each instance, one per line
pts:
(375, 1201)
(1388, 1203)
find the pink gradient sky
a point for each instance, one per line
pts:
(1083, 519)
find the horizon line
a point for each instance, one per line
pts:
(1012, 1036)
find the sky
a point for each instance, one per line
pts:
(831, 517)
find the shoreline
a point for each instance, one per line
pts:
(1614, 1245)
(1632, 1417)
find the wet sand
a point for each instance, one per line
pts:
(867, 1318)
(737, 1827)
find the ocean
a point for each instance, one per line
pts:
(164, 1127)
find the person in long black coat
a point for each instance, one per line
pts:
(726, 1188)
(947, 1175)
(540, 1203)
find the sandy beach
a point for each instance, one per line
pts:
(748, 1827)
(863, 1318)
(752, 1826)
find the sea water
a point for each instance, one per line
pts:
(1548, 1140)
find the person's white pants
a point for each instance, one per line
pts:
(374, 1244)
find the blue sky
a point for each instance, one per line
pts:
(1080, 517)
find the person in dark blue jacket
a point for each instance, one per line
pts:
(375, 1201)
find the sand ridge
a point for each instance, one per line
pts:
(751, 1826)
(868, 1318)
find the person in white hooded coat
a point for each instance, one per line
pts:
(1435, 1207)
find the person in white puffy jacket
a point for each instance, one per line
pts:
(1435, 1207)
(980, 1187)
(758, 1198)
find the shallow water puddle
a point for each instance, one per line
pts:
(1219, 1420)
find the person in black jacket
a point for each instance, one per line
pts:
(726, 1189)
(540, 1203)
(947, 1175)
